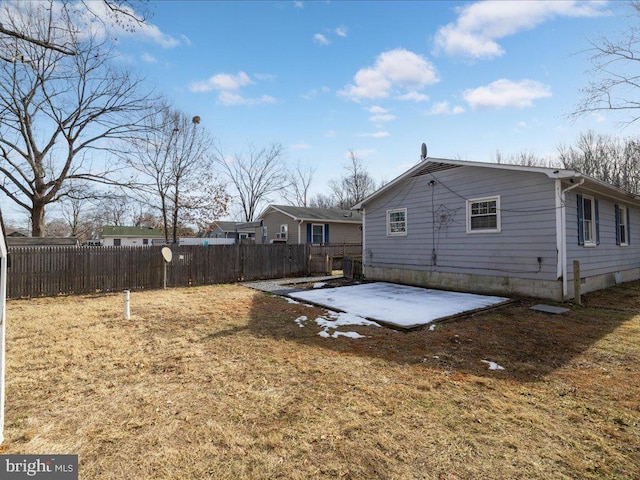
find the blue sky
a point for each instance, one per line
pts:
(379, 78)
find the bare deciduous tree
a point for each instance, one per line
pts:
(127, 14)
(61, 116)
(615, 84)
(255, 175)
(355, 185)
(173, 158)
(321, 200)
(609, 159)
(301, 179)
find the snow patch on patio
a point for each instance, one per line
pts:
(399, 305)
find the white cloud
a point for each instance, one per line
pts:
(222, 81)
(232, 99)
(148, 58)
(393, 69)
(443, 108)
(298, 4)
(382, 117)
(376, 109)
(265, 76)
(330, 134)
(506, 93)
(228, 85)
(479, 25)
(367, 152)
(300, 146)
(320, 39)
(341, 31)
(414, 97)
(379, 134)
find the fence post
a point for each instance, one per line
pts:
(576, 282)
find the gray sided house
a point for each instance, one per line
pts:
(317, 226)
(223, 229)
(498, 228)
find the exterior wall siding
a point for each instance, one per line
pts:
(601, 264)
(274, 219)
(437, 240)
(128, 241)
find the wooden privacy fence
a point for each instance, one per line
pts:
(352, 267)
(64, 270)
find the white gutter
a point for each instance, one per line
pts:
(561, 233)
(364, 255)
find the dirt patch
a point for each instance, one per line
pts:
(222, 382)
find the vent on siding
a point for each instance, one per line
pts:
(434, 167)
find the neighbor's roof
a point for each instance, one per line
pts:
(311, 214)
(145, 232)
(41, 241)
(431, 166)
(226, 226)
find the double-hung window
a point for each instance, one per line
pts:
(483, 215)
(588, 221)
(397, 222)
(317, 233)
(622, 225)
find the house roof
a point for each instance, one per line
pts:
(41, 241)
(311, 214)
(226, 226)
(117, 231)
(434, 165)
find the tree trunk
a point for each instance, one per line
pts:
(37, 220)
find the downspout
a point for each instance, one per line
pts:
(300, 231)
(364, 267)
(563, 236)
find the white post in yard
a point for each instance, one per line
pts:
(3, 296)
(127, 309)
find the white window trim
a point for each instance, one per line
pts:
(498, 228)
(397, 234)
(593, 242)
(622, 211)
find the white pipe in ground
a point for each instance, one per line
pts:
(127, 304)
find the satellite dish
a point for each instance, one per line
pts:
(423, 153)
(167, 254)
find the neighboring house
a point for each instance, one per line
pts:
(235, 230)
(499, 228)
(42, 241)
(282, 223)
(129, 236)
(223, 230)
(250, 231)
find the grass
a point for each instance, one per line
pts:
(219, 382)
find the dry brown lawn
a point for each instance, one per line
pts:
(219, 382)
